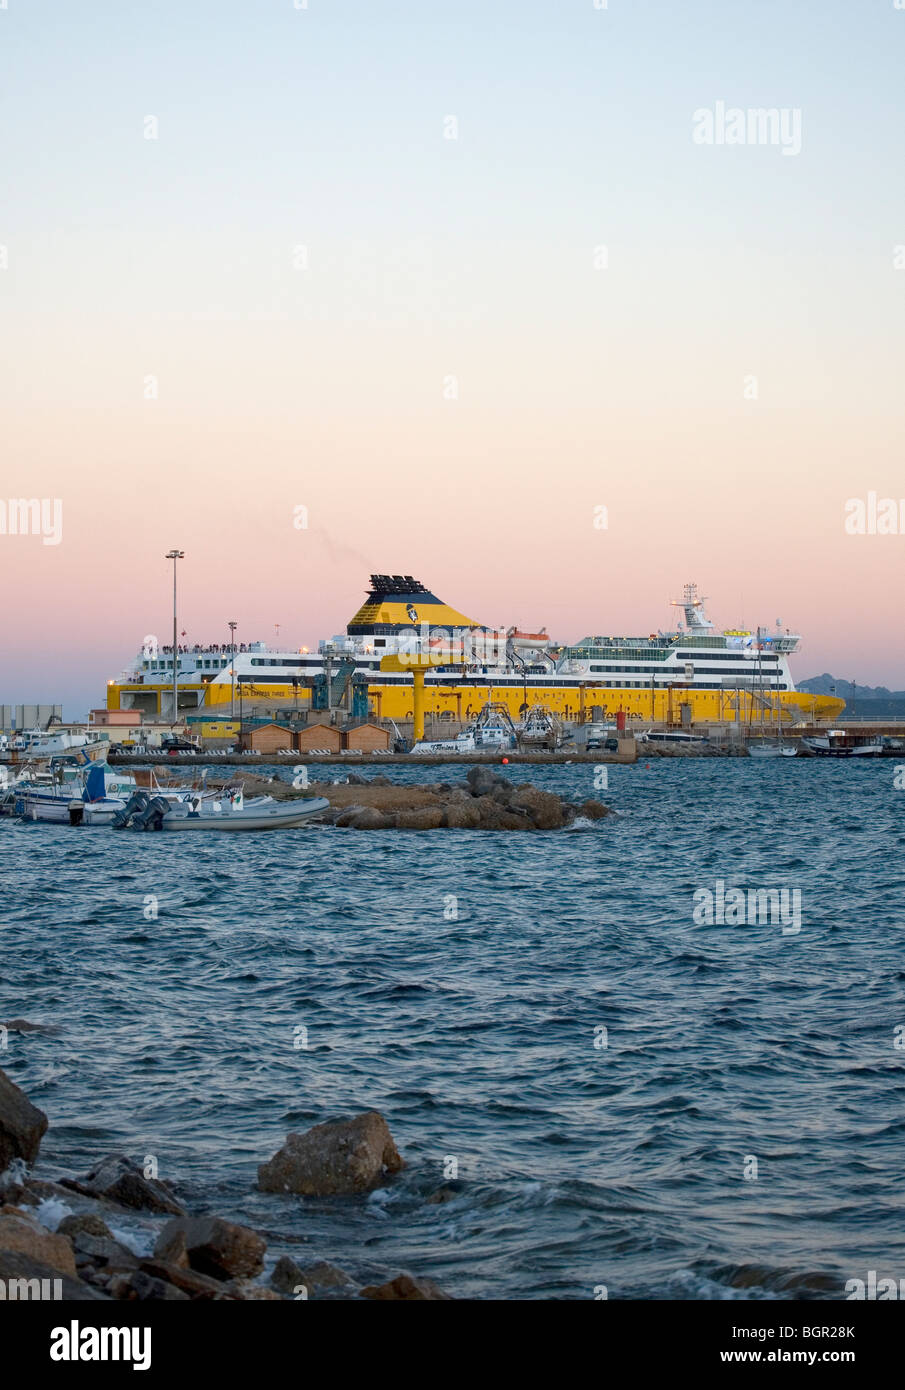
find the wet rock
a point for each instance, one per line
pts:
(347, 815)
(171, 1245)
(482, 780)
(118, 1179)
(21, 1233)
(754, 1276)
(103, 1252)
(545, 809)
(40, 1191)
(22, 1025)
(421, 818)
(252, 1293)
(593, 810)
(367, 818)
(341, 1156)
(494, 816)
(810, 1281)
(218, 1248)
(190, 1281)
(139, 1287)
(16, 1193)
(324, 1275)
(22, 1125)
(463, 815)
(287, 1277)
(442, 1194)
(17, 1266)
(84, 1223)
(406, 1289)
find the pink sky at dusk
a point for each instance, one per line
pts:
(326, 386)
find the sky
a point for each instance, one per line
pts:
(452, 284)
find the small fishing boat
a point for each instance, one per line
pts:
(840, 743)
(226, 810)
(493, 729)
(540, 729)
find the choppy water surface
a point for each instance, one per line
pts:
(578, 1165)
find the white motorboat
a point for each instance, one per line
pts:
(671, 739)
(771, 750)
(261, 813)
(226, 810)
(462, 743)
(74, 795)
(51, 742)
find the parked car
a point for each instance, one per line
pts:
(172, 744)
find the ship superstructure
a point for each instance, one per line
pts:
(693, 673)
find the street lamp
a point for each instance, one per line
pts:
(175, 555)
(232, 661)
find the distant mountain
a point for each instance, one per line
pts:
(829, 685)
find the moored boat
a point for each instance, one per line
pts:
(226, 810)
(74, 795)
(842, 743)
(767, 749)
(493, 730)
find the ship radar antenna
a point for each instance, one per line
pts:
(693, 604)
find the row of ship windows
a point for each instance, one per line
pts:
(697, 684)
(565, 683)
(746, 671)
(208, 664)
(739, 668)
(217, 663)
(725, 656)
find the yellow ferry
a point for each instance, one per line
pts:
(693, 674)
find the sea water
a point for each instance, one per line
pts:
(599, 1090)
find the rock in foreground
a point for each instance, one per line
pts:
(21, 1233)
(22, 1125)
(27, 1276)
(209, 1245)
(119, 1180)
(341, 1156)
(405, 1289)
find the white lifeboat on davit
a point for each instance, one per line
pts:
(529, 641)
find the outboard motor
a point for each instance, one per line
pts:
(151, 818)
(137, 802)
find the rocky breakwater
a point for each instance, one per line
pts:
(485, 801)
(58, 1239)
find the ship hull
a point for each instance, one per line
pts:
(463, 700)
